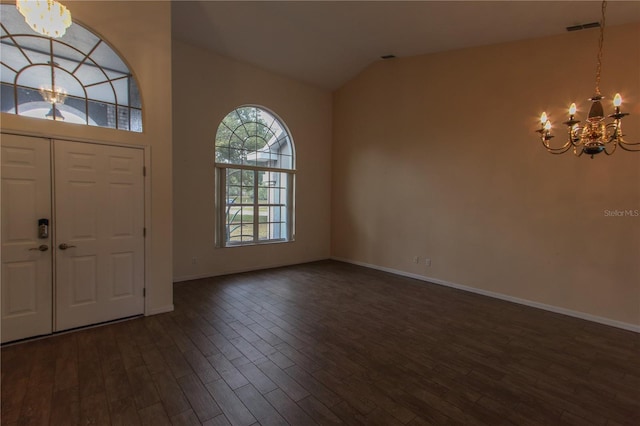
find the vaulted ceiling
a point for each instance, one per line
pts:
(326, 43)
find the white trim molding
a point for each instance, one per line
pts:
(183, 278)
(543, 306)
(160, 310)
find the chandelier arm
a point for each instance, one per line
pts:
(615, 145)
(549, 148)
(577, 152)
(557, 151)
(635, 147)
(613, 129)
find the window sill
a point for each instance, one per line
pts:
(260, 243)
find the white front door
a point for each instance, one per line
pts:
(99, 207)
(26, 258)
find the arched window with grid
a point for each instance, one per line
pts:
(77, 78)
(255, 170)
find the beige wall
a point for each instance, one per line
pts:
(436, 156)
(206, 87)
(141, 33)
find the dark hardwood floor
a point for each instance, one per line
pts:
(328, 343)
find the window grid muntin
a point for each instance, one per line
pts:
(251, 135)
(125, 116)
(239, 218)
(88, 117)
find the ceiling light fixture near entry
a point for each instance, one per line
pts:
(46, 17)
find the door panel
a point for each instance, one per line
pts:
(26, 271)
(100, 215)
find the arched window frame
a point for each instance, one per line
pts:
(103, 93)
(255, 178)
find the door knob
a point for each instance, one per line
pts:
(42, 247)
(64, 246)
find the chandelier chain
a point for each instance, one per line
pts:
(600, 44)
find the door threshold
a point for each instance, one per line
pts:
(71, 330)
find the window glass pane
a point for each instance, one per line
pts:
(89, 73)
(247, 194)
(136, 120)
(222, 154)
(80, 38)
(239, 131)
(247, 233)
(263, 231)
(36, 48)
(35, 77)
(122, 91)
(6, 98)
(107, 58)
(13, 20)
(75, 107)
(247, 214)
(247, 177)
(7, 75)
(101, 92)
(103, 115)
(123, 118)
(134, 94)
(67, 83)
(263, 215)
(66, 56)
(12, 56)
(29, 99)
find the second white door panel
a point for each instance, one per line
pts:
(100, 214)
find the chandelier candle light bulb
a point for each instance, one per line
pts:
(596, 135)
(543, 118)
(617, 100)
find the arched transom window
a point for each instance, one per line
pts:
(76, 78)
(254, 158)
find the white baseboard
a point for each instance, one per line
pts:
(551, 308)
(160, 310)
(241, 270)
(195, 277)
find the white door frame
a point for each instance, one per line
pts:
(147, 201)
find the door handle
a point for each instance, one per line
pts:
(42, 247)
(64, 246)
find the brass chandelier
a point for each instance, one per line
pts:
(596, 135)
(55, 97)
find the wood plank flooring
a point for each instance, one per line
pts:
(328, 343)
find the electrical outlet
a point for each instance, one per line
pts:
(427, 261)
(416, 259)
